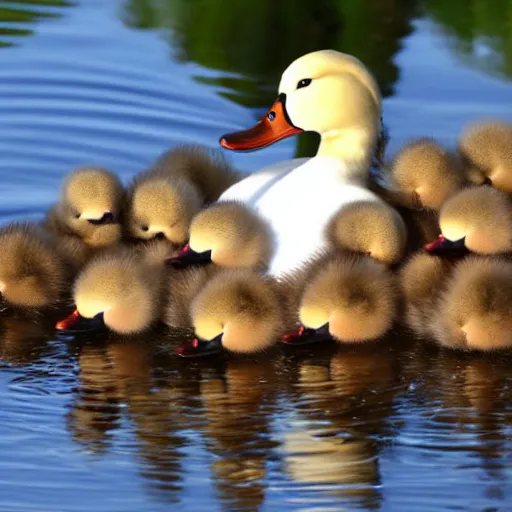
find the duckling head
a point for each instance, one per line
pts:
(486, 149)
(118, 287)
(474, 309)
(370, 228)
(162, 208)
(426, 174)
(353, 298)
(229, 234)
(477, 219)
(238, 310)
(90, 205)
(327, 92)
(31, 273)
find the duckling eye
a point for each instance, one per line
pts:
(77, 215)
(303, 83)
(144, 228)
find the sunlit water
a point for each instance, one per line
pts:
(116, 425)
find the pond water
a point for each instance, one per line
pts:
(116, 425)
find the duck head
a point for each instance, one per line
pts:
(327, 92)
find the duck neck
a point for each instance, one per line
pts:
(355, 147)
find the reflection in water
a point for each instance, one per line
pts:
(21, 342)
(346, 400)
(23, 14)
(465, 406)
(214, 33)
(238, 406)
(480, 31)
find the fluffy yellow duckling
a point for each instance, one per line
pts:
(474, 309)
(369, 228)
(477, 219)
(228, 234)
(486, 150)
(425, 175)
(126, 287)
(33, 274)
(164, 199)
(238, 310)
(351, 299)
(87, 213)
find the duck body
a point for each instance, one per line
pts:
(280, 196)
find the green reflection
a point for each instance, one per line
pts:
(254, 41)
(480, 31)
(24, 13)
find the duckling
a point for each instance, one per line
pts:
(477, 219)
(422, 279)
(474, 309)
(351, 299)
(87, 213)
(425, 175)
(206, 168)
(369, 228)
(229, 234)
(125, 286)
(164, 199)
(33, 274)
(238, 310)
(184, 285)
(486, 150)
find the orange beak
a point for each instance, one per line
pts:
(274, 125)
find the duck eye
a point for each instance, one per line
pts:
(77, 215)
(303, 83)
(144, 228)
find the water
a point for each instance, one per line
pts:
(117, 425)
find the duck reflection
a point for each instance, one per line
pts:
(475, 417)
(344, 400)
(21, 341)
(238, 401)
(131, 392)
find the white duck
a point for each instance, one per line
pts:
(333, 94)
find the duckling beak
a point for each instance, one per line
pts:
(305, 335)
(76, 323)
(201, 348)
(187, 257)
(273, 126)
(107, 218)
(444, 247)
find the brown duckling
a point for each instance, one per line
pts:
(473, 311)
(370, 228)
(87, 213)
(184, 285)
(228, 234)
(164, 199)
(422, 279)
(486, 150)
(125, 286)
(349, 298)
(477, 219)
(238, 310)
(33, 274)
(424, 175)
